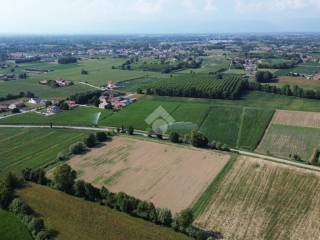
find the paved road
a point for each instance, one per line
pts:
(143, 133)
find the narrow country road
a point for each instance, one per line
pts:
(276, 159)
(143, 133)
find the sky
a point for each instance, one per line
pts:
(157, 16)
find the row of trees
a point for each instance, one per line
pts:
(67, 60)
(20, 95)
(89, 141)
(64, 179)
(20, 209)
(264, 76)
(202, 88)
(286, 90)
(85, 98)
(199, 140)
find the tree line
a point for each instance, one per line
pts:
(16, 96)
(9, 201)
(64, 179)
(67, 60)
(286, 90)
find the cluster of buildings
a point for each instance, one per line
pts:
(11, 106)
(109, 101)
(56, 83)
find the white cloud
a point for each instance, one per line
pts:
(247, 6)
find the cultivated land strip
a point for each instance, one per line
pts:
(143, 133)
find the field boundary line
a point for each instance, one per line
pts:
(266, 130)
(202, 202)
(277, 160)
(240, 126)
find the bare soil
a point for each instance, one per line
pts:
(303, 119)
(170, 176)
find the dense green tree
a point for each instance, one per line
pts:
(174, 137)
(6, 195)
(101, 136)
(130, 130)
(77, 148)
(91, 140)
(79, 189)
(63, 178)
(18, 206)
(164, 216)
(199, 140)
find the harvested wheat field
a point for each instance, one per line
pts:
(303, 119)
(257, 199)
(167, 175)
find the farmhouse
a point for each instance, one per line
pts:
(16, 105)
(116, 102)
(4, 108)
(316, 77)
(71, 104)
(53, 109)
(35, 100)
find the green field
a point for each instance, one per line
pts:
(199, 85)
(282, 140)
(253, 125)
(100, 71)
(239, 123)
(211, 63)
(11, 228)
(222, 124)
(34, 148)
(76, 219)
(257, 199)
(306, 68)
(81, 116)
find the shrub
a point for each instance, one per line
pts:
(101, 136)
(18, 207)
(90, 141)
(174, 137)
(164, 216)
(64, 178)
(130, 130)
(77, 148)
(36, 225)
(61, 156)
(6, 196)
(44, 235)
(199, 140)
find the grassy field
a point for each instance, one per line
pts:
(84, 220)
(211, 63)
(222, 124)
(306, 68)
(282, 140)
(136, 114)
(21, 148)
(100, 71)
(11, 228)
(257, 200)
(81, 116)
(299, 81)
(254, 99)
(254, 122)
